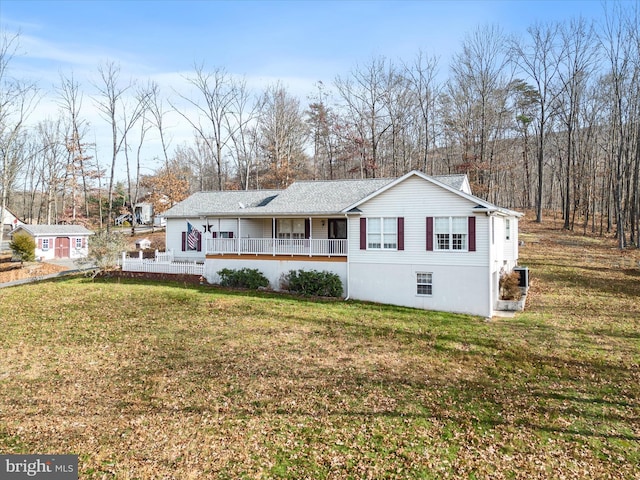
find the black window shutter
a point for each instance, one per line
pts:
(363, 234)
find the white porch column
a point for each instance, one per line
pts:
(273, 236)
(310, 236)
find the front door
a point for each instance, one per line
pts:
(62, 247)
(337, 228)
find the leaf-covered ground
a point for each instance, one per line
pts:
(176, 382)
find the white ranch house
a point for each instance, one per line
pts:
(416, 241)
(58, 241)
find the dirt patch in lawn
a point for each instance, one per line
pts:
(13, 271)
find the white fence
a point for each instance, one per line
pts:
(162, 263)
(277, 246)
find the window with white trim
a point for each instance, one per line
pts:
(451, 233)
(78, 242)
(45, 244)
(507, 229)
(382, 233)
(291, 228)
(424, 283)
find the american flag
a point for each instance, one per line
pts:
(192, 237)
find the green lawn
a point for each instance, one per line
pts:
(171, 381)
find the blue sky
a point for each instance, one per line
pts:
(283, 39)
(296, 42)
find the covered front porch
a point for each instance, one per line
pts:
(309, 237)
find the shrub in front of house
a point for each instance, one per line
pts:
(313, 282)
(24, 247)
(250, 278)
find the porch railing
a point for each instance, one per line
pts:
(162, 263)
(276, 246)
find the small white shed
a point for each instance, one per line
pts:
(58, 241)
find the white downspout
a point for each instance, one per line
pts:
(348, 261)
(492, 291)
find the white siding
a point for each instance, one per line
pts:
(415, 200)
(462, 280)
(249, 228)
(319, 231)
(173, 238)
(455, 288)
(50, 253)
(511, 245)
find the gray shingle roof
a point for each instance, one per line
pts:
(56, 230)
(223, 203)
(454, 181)
(323, 197)
(304, 197)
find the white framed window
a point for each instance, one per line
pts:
(451, 233)
(45, 244)
(78, 242)
(424, 283)
(507, 229)
(291, 228)
(382, 233)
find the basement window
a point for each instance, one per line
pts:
(424, 283)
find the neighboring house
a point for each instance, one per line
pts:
(144, 213)
(58, 241)
(416, 241)
(9, 220)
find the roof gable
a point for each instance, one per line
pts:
(451, 183)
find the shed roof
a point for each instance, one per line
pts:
(55, 230)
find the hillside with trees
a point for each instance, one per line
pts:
(546, 121)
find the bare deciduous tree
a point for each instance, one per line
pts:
(120, 114)
(537, 60)
(18, 98)
(218, 92)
